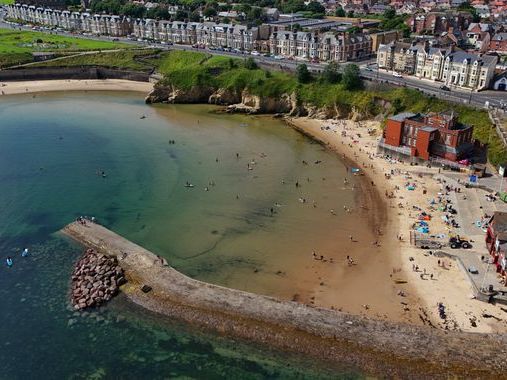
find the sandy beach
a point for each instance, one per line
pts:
(12, 88)
(436, 279)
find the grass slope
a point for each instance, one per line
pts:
(140, 60)
(17, 46)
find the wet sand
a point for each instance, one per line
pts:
(380, 275)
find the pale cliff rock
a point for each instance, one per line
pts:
(246, 102)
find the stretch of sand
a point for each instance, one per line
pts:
(358, 141)
(24, 87)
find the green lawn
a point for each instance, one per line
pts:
(16, 46)
(6, 2)
(17, 41)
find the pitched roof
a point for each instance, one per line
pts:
(402, 116)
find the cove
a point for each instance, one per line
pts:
(53, 149)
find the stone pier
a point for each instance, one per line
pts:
(376, 347)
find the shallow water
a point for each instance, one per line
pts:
(53, 149)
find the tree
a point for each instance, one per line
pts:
(292, 6)
(296, 27)
(250, 63)
(339, 12)
(350, 14)
(133, 10)
(351, 79)
(315, 7)
(194, 16)
(389, 13)
(466, 6)
(210, 12)
(161, 13)
(330, 73)
(303, 74)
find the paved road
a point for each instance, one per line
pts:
(368, 71)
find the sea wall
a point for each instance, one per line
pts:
(377, 347)
(49, 73)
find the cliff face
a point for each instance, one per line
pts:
(246, 102)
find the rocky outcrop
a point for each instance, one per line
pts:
(95, 280)
(172, 94)
(246, 102)
(225, 97)
(250, 103)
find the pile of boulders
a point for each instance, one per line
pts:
(95, 280)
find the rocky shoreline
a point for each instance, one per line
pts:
(96, 279)
(244, 101)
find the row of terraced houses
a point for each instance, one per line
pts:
(331, 45)
(454, 68)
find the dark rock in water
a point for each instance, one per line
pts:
(95, 280)
(146, 288)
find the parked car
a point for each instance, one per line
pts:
(278, 57)
(255, 52)
(397, 75)
(445, 88)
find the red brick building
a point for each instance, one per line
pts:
(499, 43)
(424, 136)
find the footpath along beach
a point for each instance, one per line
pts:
(431, 283)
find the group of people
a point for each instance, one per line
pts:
(10, 262)
(83, 219)
(321, 257)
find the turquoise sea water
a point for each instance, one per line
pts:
(53, 149)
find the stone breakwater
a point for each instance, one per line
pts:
(377, 347)
(95, 280)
